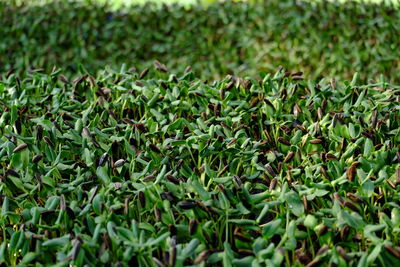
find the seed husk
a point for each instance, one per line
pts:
(314, 263)
(158, 262)
(323, 250)
(284, 141)
(103, 159)
(323, 230)
(325, 173)
(273, 183)
(289, 157)
(20, 148)
(142, 199)
(354, 198)
(119, 163)
(223, 170)
(203, 256)
(157, 213)
(149, 178)
(392, 185)
(172, 179)
(12, 173)
(343, 253)
(270, 170)
(75, 249)
(159, 66)
(330, 156)
(172, 256)
(154, 148)
(352, 170)
(338, 198)
(394, 251)
(143, 73)
(316, 141)
(37, 158)
(350, 206)
(186, 205)
(192, 226)
(48, 141)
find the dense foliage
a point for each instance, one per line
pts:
(323, 39)
(137, 170)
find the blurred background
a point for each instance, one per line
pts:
(331, 39)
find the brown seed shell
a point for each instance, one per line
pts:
(20, 148)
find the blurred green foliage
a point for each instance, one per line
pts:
(329, 39)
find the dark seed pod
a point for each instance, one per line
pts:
(157, 214)
(142, 199)
(354, 198)
(222, 94)
(283, 141)
(394, 251)
(159, 66)
(158, 262)
(338, 198)
(140, 126)
(350, 206)
(119, 163)
(12, 173)
(305, 203)
(325, 173)
(172, 179)
(149, 178)
(323, 230)
(229, 85)
(139, 83)
(192, 226)
(186, 205)
(237, 182)
(233, 141)
(398, 175)
(224, 169)
(343, 253)
(392, 185)
(154, 148)
(103, 159)
(172, 229)
(316, 141)
(374, 119)
(75, 249)
(270, 170)
(18, 126)
(172, 256)
(357, 238)
(273, 183)
(63, 205)
(39, 179)
(188, 69)
(126, 206)
(330, 156)
(239, 236)
(87, 132)
(314, 263)
(202, 257)
(324, 249)
(352, 170)
(297, 110)
(143, 73)
(39, 132)
(167, 196)
(289, 157)
(48, 141)
(37, 158)
(20, 148)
